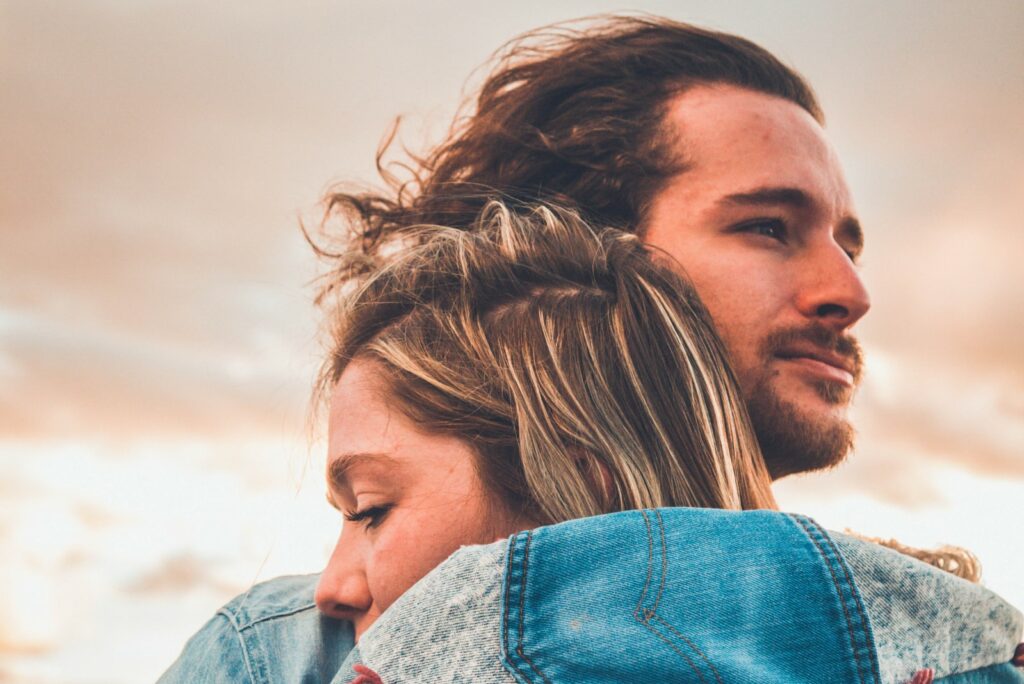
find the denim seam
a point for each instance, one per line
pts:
(661, 591)
(651, 613)
(522, 607)
(866, 630)
(513, 542)
(669, 643)
(508, 659)
(650, 565)
(519, 650)
(250, 623)
(664, 560)
(241, 643)
(718, 677)
(839, 592)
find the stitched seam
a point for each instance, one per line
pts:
(868, 635)
(661, 592)
(522, 654)
(522, 588)
(508, 584)
(250, 622)
(650, 565)
(644, 615)
(692, 645)
(664, 560)
(241, 642)
(842, 598)
(835, 583)
(522, 608)
(669, 643)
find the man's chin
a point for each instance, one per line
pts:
(810, 432)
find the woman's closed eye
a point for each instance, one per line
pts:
(370, 517)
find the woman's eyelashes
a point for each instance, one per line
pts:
(370, 517)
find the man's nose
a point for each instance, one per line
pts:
(342, 591)
(831, 290)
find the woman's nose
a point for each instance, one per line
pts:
(342, 591)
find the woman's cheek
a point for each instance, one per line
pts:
(384, 570)
(399, 559)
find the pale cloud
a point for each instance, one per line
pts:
(144, 540)
(100, 381)
(964, 417)
(175, 575)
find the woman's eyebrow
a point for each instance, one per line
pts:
(338, 470)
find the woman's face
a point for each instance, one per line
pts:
(409, 499)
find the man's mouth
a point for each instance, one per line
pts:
(827, 364)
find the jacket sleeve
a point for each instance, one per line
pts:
(215, 654)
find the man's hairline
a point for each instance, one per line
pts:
(672, 131)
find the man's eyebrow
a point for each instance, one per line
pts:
(337, 471)
(769, 195)
(850, 231)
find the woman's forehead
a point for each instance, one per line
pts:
(368, 432)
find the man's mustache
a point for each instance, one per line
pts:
(843, 345)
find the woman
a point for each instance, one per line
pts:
(540, 379)
(528, 372)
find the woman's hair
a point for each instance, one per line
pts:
(583, 370)
(574, 114)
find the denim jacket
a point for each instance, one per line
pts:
(667, 595)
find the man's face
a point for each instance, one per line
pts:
(762, 222)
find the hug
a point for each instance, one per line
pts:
(565, 369)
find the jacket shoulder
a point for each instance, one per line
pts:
(924, 617)
(276, 598)
(271, 633)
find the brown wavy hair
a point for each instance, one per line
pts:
(571, 114)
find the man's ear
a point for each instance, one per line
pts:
(598, 475)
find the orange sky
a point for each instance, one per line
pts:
(156, 330)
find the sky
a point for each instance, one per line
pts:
(158, 340)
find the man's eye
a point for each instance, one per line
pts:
(772, 228)
(370, 517)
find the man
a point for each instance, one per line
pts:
(713, 151)
(709, 148)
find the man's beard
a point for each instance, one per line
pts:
(791, 440)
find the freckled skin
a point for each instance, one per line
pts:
(734, 140)
(430, 482)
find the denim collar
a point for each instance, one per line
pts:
(685, 595)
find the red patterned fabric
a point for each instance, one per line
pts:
(367, 676)
(924, 676)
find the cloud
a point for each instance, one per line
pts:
(177, 574)
(79, 381)
(962, 417)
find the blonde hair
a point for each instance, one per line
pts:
(953, 559)
(584, 371)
